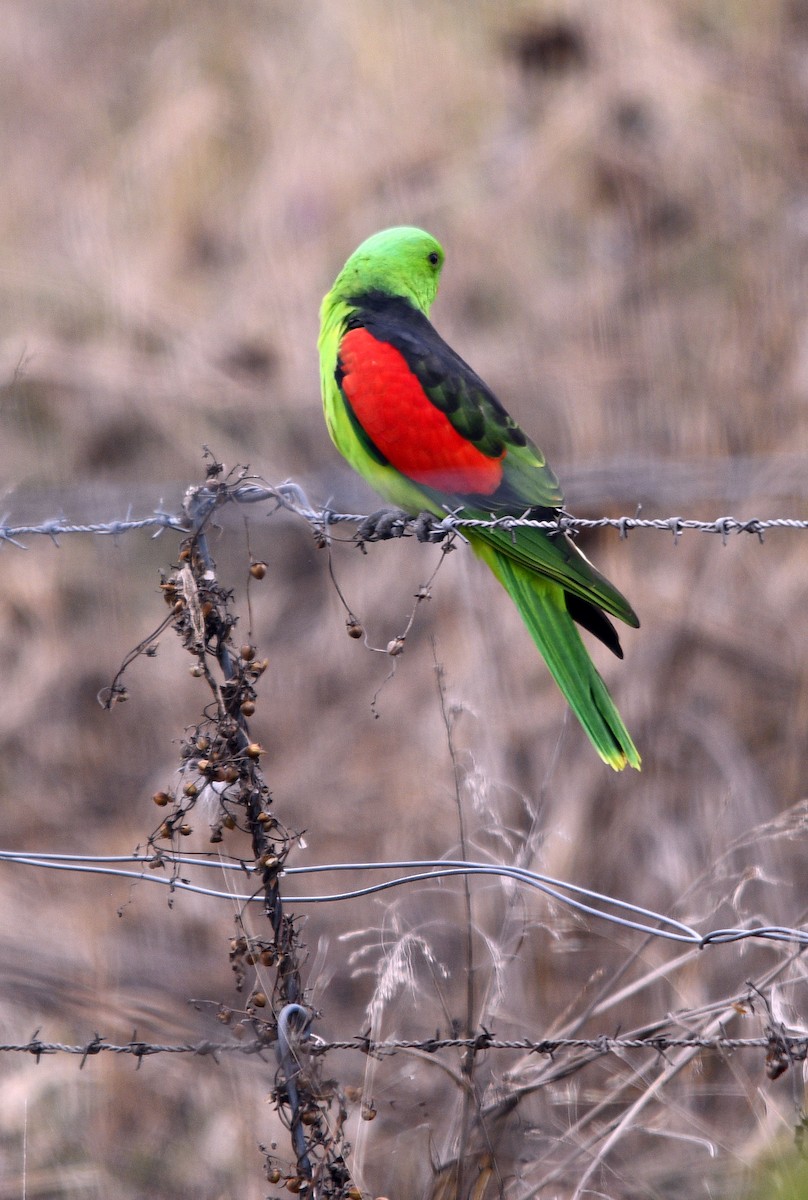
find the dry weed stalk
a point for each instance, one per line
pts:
(222, 776)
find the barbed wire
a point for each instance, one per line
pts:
(58, 527)
(793, 1044)
(581, 899)
(389, 524)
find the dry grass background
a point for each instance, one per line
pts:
(622, 190)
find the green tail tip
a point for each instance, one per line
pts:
(604, 727)
(625, 757)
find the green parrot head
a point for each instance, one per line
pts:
(403, 261)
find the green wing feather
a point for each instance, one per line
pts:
(560, 560)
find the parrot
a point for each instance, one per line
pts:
(413, 418)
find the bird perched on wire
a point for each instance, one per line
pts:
(425, 431)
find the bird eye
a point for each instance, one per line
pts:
(434, 258)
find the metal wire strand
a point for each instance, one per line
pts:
(581, 899)
(290, 497)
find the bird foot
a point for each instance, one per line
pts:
(394, 523)
(427, 528)
(382, 525)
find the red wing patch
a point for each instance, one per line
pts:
(405, 426)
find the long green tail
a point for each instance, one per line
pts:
(543, 609)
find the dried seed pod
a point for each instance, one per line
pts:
(161, 799)
(228, 821)
(395, 647)
(258, 570)
(259, 999)
(354, 628)
(247, 652)
(368, 1111)
(248, 708)
(185, 829)
(198, 671)
(254, 750)
(191, 790)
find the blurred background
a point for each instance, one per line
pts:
(622, 192)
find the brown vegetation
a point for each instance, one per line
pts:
(621, 191)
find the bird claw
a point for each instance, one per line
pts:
(382, 525)
(427, 528)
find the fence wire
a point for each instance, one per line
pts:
(389, 524)
(418, 871)
(793, 1046)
